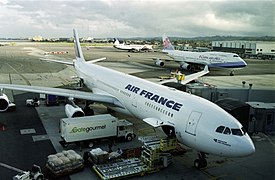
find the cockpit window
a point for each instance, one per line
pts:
(235, 55)
(220, 129)
(237, 132)
(227, 131)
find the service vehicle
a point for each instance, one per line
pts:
(91, 128)
(34, 174)
(52, 100)
(33, 102)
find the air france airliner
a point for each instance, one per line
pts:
(194, 121)
(212, 59)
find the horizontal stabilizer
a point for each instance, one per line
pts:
(154, 122)
(96, 60)
(71, 63)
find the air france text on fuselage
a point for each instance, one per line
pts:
(155, 97)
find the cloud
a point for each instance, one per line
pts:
(121, 18)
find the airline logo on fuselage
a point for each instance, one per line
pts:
(210, 58)
(155, 97)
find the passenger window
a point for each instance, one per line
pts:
(237, 132)
(220, 129)
(227, 131)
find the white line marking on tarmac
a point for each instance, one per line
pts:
(11, 168)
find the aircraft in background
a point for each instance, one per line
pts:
(132, 47)
(187, 59)
(194, 121)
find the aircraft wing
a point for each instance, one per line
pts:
(190, 77)
(64, 92)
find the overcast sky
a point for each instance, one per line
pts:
(136, 18)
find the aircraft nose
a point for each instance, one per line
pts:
(248, 147)
(242, 62)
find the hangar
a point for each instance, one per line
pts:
(258, 49)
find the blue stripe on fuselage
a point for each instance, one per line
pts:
(228, 65)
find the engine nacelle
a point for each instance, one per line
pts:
(73, 111)
(159, 62)
(4, 102)
(185, 66)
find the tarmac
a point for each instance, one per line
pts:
(31, 134)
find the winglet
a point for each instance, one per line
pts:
(206, 69)
(78, 51)
(190, 77)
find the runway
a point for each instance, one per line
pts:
(20, 64)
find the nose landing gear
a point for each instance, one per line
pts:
(201, 161)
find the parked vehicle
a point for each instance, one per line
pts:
(89, 128)
(34, 174)
(33, 102)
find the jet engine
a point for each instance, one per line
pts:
(185, 66)
(4, 102)
(159, 62)
(73, 111)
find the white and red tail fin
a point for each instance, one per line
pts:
(78, 51)
(166, 43)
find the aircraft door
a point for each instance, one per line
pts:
(134, 101)
(134, 105)
(192, 123)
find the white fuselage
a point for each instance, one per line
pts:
(212, 59)
(195, 119)
(133, 47)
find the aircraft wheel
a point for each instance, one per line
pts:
(129, 137)
(203, 163)
(39, 178)
(200, 163)
(197, 164)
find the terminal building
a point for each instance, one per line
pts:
(256, 49)
(253, 107)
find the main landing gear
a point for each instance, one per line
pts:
(232, 73)
(201, 162)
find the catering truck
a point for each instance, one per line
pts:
(91, 128)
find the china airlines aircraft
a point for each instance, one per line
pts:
(187, 59)
(132, 47)
(194, 121)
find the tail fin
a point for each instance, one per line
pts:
(166, 43)
(78, 50)
(116, 41)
